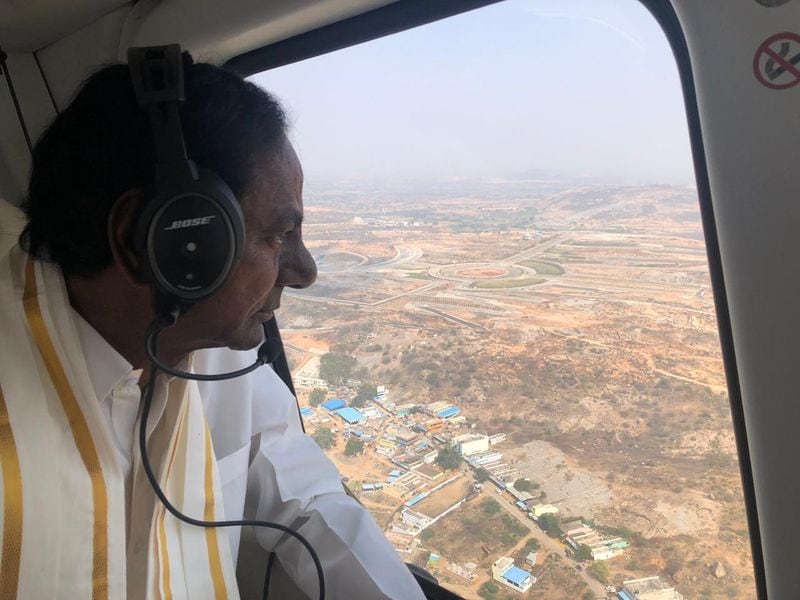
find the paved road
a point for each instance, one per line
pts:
(549, 543)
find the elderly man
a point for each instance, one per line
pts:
(80, 518)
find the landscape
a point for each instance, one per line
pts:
(521, 379)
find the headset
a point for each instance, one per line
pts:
(190, 233)
(189, 237)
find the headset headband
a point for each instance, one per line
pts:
(157, 76)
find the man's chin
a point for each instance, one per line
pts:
(247, 338)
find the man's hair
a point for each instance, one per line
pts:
(102, 146)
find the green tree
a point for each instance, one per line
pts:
(365, 393)
(550, 524)
(524, 485)
(336, 368)
(532, 545)
(448, 458)
(482, 475)
(488, 590)
(600, 571)
(317, 396)
(353, 447)
(490, 506)
(426, 534)
(583, 553)
(324, 438)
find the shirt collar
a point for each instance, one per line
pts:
(105, 365)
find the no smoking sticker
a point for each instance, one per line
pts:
(777, 61)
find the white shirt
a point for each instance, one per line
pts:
(269, 470)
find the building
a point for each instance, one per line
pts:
(471, 443)
(416, 520)
(434, 426)
(333, 404)
(648, 588)
(402, 410)
(544, 509)
(580, 534)
(350, 415)
(504, 571)
(435, 408)
(497, 438)
(531, 558)
(466, 571)
(486, 458)
(449, 412)
(430, 457)
(306, 411)
(311, 382)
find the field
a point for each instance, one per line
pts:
(578, 321)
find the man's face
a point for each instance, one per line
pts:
(273, 257)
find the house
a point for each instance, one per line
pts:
(648, 588)
(504, 571)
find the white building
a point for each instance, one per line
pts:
(544, 509)
(504, 571)
(471, 443)
(650, 588)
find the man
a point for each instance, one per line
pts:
(79, 517)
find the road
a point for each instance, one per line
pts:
(549, 543)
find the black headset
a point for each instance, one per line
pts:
(190, 233)
(188, 238)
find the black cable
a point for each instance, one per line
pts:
(152, 345)
(4, 69)
(46, 84)
(267, 353)
(270, 562)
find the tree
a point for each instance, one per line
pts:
(488, 590)
(366, 392)
(524, 485)
(336, 368)
(482, 475)
(550, 524)
(448, 458)
(583, 553)
(426, 534)
(490, 506)
(532, 545)
(317, 397)
(353, 447)
(324, 438)
(600, 571)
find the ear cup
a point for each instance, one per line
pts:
(189, 239)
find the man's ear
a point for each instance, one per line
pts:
(121, 234)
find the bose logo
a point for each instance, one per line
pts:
(190, 222)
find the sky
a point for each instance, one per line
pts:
(569, 88)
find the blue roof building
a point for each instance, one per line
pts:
(517, 576)
(333, 404)
(350, 415)
(306, 411)
(504, 571)
(450, 411)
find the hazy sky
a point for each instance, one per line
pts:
(577, 87)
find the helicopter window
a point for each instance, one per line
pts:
(511, 350)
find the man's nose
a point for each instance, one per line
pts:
(298, 269)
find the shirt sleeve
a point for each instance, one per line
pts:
(292, 482)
